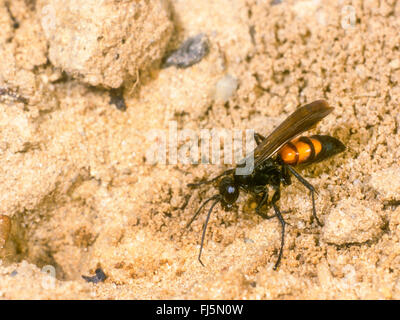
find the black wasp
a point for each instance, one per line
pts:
(274, 159)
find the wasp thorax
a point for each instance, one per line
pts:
(229, 191)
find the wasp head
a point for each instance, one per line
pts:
(229, 192)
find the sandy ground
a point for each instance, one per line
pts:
(79, 192)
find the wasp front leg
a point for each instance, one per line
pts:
(274, 200)
(263, 201)
(263, 191)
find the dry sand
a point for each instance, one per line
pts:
(80, 194)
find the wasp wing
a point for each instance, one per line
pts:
(303, 119)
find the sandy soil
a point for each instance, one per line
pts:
(80, 194)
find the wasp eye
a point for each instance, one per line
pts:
(228, 190)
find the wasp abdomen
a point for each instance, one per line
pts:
(306, 150)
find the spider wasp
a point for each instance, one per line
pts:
(274, 160)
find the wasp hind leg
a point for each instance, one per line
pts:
(310, 187)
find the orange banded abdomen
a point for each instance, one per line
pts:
(301, 150)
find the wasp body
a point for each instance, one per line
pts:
(274, 159)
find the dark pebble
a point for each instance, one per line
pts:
(99, 277)
(190, 52)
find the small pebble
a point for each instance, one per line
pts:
(99, 277)
(225, 88)
(387, 183)
(190, 52)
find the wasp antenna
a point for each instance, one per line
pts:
(201, 207)
(201, 262)
(198, 184)
(205, 228)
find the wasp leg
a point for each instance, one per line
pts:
(195, 185)
(275, 199)
(258, 138)
(267, 217)
(310, 187)
(285, 177)
(263, 201)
